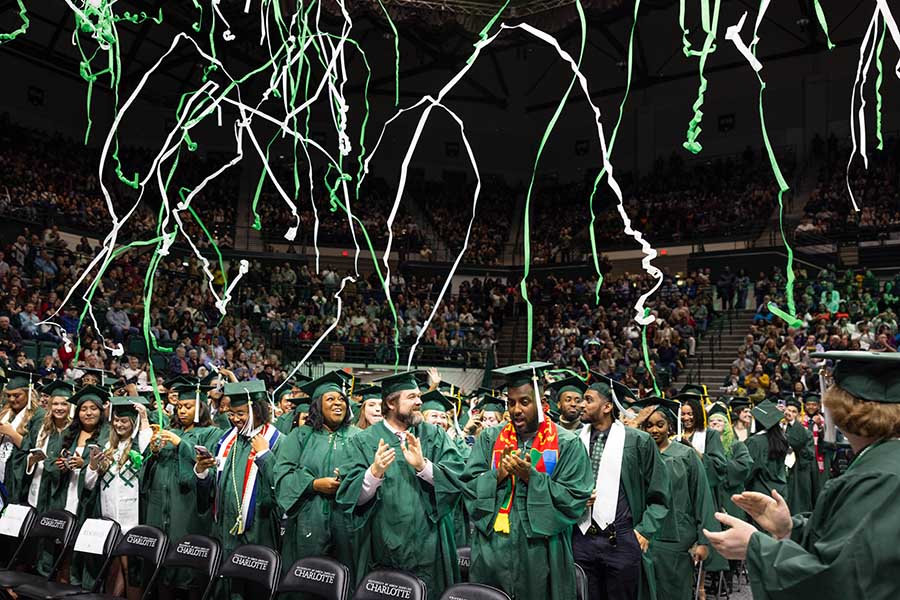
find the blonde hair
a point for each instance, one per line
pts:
(861, 417)
(114, 441)
(47, 425)
(30, 408)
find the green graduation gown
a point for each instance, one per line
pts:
(765, 475)
(169, 495)
(225, 491)
(315, 525)
(285, 423)
(18, 460)
(222, 421)
(801, 477)
(736, 474)
(408, 524)
(49, 477)
(846, 547)
(462, 523)
(693, 507)
(534, 561)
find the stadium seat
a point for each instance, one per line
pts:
(473, 591)
(46, 349)
(259, 566)
(196, 552)
(52, 590)
(390, 583)
(464, 558)
(17, 540)
(55, 527)
(581, 583)
(143, 542)
(318, 576)
(137, 346)
(30, 348)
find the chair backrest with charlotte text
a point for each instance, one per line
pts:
(55, 528)
(464, 558)
(251, 570)
(145, 546)
(473, 591)
(385, 584)
(317, 576)
(198, 553)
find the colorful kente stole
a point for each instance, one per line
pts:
(542, 456)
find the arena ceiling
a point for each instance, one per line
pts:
(436, 37)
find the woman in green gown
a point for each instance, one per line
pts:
(767, 449)
(736, 455)
(169, 490)
(19, 416)
(802, 466)
(307, 475)
(39, 481)
(692, 504)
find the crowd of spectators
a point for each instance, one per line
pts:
(829, 211)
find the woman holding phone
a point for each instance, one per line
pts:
(168, 494)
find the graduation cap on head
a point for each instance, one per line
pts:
(811, 397)
(59, 389)
(795, 402)
(870, 376)
(17, 380)
(718, 408)
(619, 393)
(671, 409)
(192, 392)
(97, 374)
(368, 392)
(90, 393)
(123, 406)
(286, 390)
(333, 381)
(436, 400)
(491, 405)
(243, 392)
(569, 384)
(767, 414)
(695, 389)
(523, 374)
(171, 383)
(489, 391)
(398, 382)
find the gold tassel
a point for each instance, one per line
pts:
(501, 525)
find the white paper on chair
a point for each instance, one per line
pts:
(12, 518)
(92, 536)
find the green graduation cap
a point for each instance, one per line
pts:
(488, 391)
(668, 407)
(284, 391)
(767, 414)
(334, 381)
(695, 389)
(812, 397)
(242, 392)
(191, 392)
(398, 382)
(18, 380)
(59, 389)
(606, 386)
(491, 404)
(90, 393)
(180, 380)
(871, 376)
(123, 406)
(718, 408)
(795, 402)
(368, 392)
(569, 384)
(301, 408)
(435, 400)
(522, 374)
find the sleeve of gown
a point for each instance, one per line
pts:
(293, 481)
(714, 459)
(854, 518)
(556, 502)
(757, 461)
(704, 507)
(658, 489)
(447, 466)
(738, 466)
(265, 474)
(480, 490)
(358, 461)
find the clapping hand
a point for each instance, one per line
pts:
(516, 466)
(384, 456)
(412, 452)
(772, 513)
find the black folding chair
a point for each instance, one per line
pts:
(473, 591)
(17, 540)
(581, 583)
(258, 566)
(54, 527)
(391, 583)
(145, 543)
(464, 558)
(198, 553)
(52, 590)
(317, 576)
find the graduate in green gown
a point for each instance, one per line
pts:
(704, 440)
(801, 475)
(238, 480)
(720, 418)
(288, 397)
(845, 548)
(311, 462)
(768, 449)
(20, 416)
(692, 505)
(169, 490)
(568, 395)
(527, 484)
(401, 487)
(86, 435)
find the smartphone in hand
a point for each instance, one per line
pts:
(202, 451)
(40, 454)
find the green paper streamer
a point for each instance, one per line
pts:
(23, 16)
(523, 286)
(396, 54)
(692, 143)
(646, 352)
(483, 34)
(878, 82)
(820, 15)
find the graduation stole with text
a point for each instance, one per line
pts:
(542, 456)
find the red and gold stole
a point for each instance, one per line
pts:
(543, 456)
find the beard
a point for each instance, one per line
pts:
(411, 418)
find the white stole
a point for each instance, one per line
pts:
(698, 441)
(6, 447)
(608, 476)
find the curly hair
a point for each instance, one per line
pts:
(861, 417)
(316, 419)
